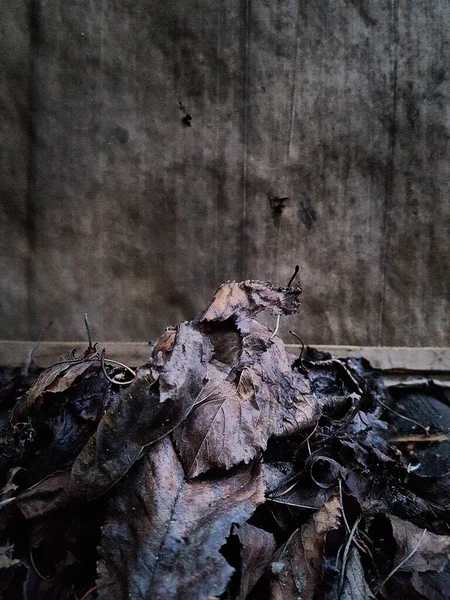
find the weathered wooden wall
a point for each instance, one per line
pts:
(113, 206)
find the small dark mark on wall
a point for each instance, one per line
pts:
(122, 135)
(277, 204)
(187, 119)
(307, 213)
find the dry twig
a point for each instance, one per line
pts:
(426, 429)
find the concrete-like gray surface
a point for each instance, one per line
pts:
(120, 209)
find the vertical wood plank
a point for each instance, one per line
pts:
(15, 120)
(321, 80)
(416, 305)
(138, 217)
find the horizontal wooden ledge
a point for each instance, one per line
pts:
(415, 359)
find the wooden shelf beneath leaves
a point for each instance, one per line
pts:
(396, 361)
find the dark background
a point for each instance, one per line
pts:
(145, 146)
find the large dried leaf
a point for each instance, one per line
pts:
(179, 370)
(248, 298)
(431, 554)
(103, 461)
(162, 535)
(297, 567)
(238, 411)
(257, 547)
(142, 414)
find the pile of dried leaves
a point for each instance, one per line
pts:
(223, 468)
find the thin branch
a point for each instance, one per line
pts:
(116, 362)
(338, 555)
(88, 330)
(306, 440)
(329, 362)
(347, 526)
(292, 504)
(29, 358)
(301, 351)
(276, 328)
(426, 429)
(276, 519)
(38, 573)
(359, 544)
(89, 592)
(436, 437)
(294, 275)
(294, 479)
(401, 563)
(345, 557)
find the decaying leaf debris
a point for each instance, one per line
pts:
(226, 468)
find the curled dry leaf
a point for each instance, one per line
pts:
(297, 566)
(56, 378)
(248, 298)
(257, 547)
(162, 534)
(313, 486)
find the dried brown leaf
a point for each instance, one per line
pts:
(252, 392)
(143, 413)
(297, 567)
(355, 585)
(257, 547)
(237, 412)
(163, 534)
(432, 554)
(432, 585)
(248, 298)
(56, 378)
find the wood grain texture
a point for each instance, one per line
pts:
(15, 125)
(134, 213)
(416, 260)
(437, 360)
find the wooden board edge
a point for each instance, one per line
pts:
(415, 359)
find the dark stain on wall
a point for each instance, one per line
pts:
(307, 213)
